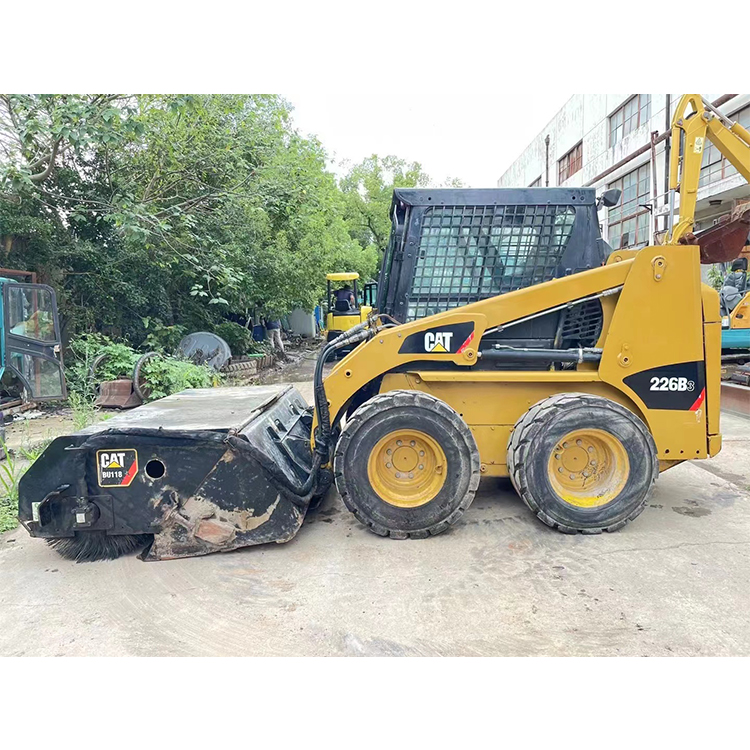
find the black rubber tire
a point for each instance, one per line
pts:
(92, 372)
(535, 436)
(139, 390)
(410, 410)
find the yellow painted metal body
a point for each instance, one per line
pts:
(730, 138)
(661, 316)
(344, 276)
(338, 322)
(407, 468)
(740, 317)
(588, 468)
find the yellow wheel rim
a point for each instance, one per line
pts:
(407, 468)
(588, 468)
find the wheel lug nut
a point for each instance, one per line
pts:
(411, 476)
(388, 465)
(398, 442)
(412, 443)
(398, 475)
(421, 466)
(421, 453)
(579, 442)
(389, 451)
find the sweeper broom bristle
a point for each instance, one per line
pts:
(98, 545)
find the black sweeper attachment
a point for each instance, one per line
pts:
(198, 472)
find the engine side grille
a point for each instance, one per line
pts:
(581, 325)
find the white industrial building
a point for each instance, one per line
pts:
(605, 141)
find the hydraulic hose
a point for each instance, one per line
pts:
(360, 332)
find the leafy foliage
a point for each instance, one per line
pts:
(166, 375)
(161, 376)
(715, 277)
(151, 212)
(112, 359)
(161, 337)
(368, 188)
(84, 411)
(11, 471)
(239, 338)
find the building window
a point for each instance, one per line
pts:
(628, 221)
(537, 182)
(635, 112)
(570, 163)
(714, 166)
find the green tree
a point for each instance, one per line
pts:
(148, 211)
(368, 187)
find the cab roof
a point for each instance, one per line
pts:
(342, 276)
(494, 196)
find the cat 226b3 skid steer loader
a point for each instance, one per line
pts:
(409, 421)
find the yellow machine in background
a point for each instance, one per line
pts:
(343, 314)
(735, 324)
(695, 121)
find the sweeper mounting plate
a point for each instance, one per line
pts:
(197, 472)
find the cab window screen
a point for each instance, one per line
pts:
(44, 376)
(468, 253)
(31, 313)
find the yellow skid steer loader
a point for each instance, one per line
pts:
(418, 412)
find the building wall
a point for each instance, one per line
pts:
(585, 117)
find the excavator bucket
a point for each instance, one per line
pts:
(197, 472)
(724, 242)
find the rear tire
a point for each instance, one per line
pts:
(406, 465)
(582, 463)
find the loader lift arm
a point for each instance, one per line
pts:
(696, 119)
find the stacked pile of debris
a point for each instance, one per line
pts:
(740, 375)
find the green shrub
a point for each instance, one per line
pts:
(84, 411)
(84, 351)
(163, 376)
(162, 338)
(715, 277)
(10, 476)
(240, 340)
(160, 376)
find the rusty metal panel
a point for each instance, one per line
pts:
(117, 394)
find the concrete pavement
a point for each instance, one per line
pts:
(674, 582)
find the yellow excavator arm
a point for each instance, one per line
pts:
(695, 120)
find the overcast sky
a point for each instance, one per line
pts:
(474, 140)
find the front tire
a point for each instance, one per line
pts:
(406, 465)
(582, 463)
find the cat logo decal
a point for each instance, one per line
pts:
(438, 342)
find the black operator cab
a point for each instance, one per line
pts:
(449, 248)
(454, 246)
